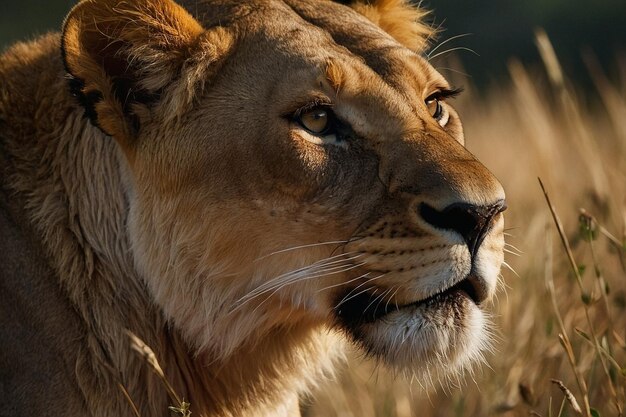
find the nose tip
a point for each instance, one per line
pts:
(470, 221)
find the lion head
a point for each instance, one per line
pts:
(294, 164)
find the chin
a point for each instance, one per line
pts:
(436, 338)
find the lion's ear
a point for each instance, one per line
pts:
(122, 55)
(400, 18)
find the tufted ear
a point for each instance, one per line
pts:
(124, 55)
(400, 18)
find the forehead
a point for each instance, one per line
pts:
(362, 39)
(314, 31)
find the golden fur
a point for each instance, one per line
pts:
(157, 177)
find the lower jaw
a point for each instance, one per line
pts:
(367, 308)
(444, 335)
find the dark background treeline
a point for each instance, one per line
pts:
(501, 29)
(495, 29)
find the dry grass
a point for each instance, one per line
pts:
(562, 320)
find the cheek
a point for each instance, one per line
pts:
(455, 127)
(193, 191)
(460, 137)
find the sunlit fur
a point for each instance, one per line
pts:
(156, 164)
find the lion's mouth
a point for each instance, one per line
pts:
(368, 307)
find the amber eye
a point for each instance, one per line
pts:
(434, 108)
(437, 108)
(316, 120)
(321, 126)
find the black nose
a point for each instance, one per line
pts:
(471, 222)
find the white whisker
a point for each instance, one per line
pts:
(380, 298)
(458, 48)
(350, 296)
(344, 283)
(456, 71)
(311, 245)
(355, 295)
(513, 247)
(319, 264)
(392, 297)
(510, 268)
(462, 35)
(296, 278)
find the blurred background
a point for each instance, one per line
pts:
(494, 29)
(545, 96)
(499, 30)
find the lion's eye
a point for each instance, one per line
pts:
(437, 110)
(437, 107)
(434, 108)
(316, 120)
(321, 125)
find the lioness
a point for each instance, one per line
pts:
(243, 190)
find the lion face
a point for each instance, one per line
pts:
(295, 167)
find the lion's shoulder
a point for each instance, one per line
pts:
(39, 331)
